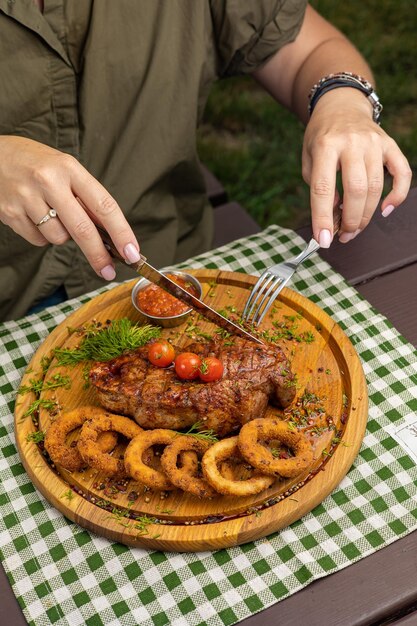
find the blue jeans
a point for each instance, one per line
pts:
(60, 295)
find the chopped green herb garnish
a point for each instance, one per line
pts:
(193, 330)
(203, 367)
(337, 440)
(68, 495)
(307, 336)
(293, 318)
(36, 437)
(310, 397)
(281, 452)
(119, 516)
(142, 523)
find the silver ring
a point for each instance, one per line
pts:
(47, 217)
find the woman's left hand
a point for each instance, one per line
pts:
(344, 138)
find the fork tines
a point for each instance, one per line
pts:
(262, 296)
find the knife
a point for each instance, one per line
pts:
(146, 270)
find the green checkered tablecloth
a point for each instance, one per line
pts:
(61, 574)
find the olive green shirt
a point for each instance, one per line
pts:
(121, 85)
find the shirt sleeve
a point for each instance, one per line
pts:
(249, 32)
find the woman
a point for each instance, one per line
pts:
(100, 102)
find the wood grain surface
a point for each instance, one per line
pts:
(326, 366)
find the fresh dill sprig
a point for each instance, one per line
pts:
(36, 385)
(108, 343)
(45, 362)
(49, 405)
(205, 435)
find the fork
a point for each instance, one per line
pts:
(275, 278)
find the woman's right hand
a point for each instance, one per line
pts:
(35, 178)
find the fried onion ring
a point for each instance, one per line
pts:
(226, 470)
(90, 432)
(214, 456)
(62, 453)
(259, 456)
(182, 477)
(134, 463)
(187, 460)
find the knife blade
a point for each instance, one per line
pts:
(146, 270)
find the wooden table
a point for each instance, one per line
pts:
(382, 264)
(380, 589)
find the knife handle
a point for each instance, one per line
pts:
(111, 248)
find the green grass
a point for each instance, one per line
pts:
(253, 145)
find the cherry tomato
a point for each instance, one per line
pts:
(187, 365)
(211, 369)
(161, 353)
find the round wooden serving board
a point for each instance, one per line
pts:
(327, 368)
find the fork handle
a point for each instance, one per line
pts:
(312, 247)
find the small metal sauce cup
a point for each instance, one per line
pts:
(172, 320)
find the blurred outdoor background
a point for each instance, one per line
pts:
(253, 145)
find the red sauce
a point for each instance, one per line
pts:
(157, 302)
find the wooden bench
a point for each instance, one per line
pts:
(215, 190)
(231, 220)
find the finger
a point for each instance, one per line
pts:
(401, 173)
(306, 173)
(306, 165)
(53, 229)
(375, 174)
(336, 199)
(355, 192)
(322, 195)
(83, 231)
(20, 223)
(103, 208)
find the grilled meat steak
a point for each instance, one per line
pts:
(156, 398)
